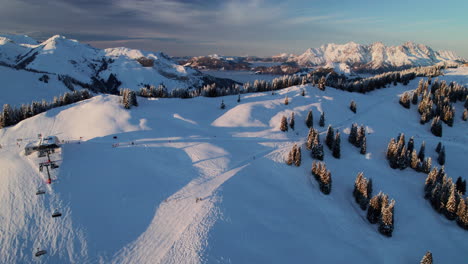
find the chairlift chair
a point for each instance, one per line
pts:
(56, 213)
(54, 166)
(39, 191)
(40, 252)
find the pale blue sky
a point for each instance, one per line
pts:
(241, 27)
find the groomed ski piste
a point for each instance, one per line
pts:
(183, 181)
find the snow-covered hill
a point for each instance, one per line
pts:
(375, 56)
(79, 65)
(186, 182)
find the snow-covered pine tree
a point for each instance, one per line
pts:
(414, 162)
(462, 213)
(298, 157)
(441, 158)
(427, 259)
(436, 127)
(451, 204)
(291, 121)
(386, 220)
(309, 120)
(439, 146)
(322, 119)
(284, 124)
(414, 100)
(330, 137)
(363, 150)
(353, 106)
(427, 164)
(317, 148)
(410, 144)
(336, 149)
(460, 185)
(422, 151)
(375, 207)
(353, 134)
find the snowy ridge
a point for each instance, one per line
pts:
(187, 182)
(89, 66)
(374, 56)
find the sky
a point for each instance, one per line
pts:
(240, 27)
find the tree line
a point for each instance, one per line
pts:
(13, 115)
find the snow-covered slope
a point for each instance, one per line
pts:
(133, 198)
(375, 56)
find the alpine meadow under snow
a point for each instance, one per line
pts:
(255, 168)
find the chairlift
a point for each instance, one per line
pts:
(39, 191)
(54, 166)
(40, 252)
(56, 213)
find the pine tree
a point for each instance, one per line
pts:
(238, 98)
(291, 122)
(353, 106)
(353, 134)
(7, 118)
(361, 133)
(465, 115)
(410, 144)
(439, 146)
(436, 127)
(222, 106)
(317, 149)
(321, 83)
(422, 150)
(286, 100)
(427, 259)
(309, 120)
(460, 185)
(426, 166)
(415, 98)
(322, 119)
(303, 92)
(336, 145)
(330, 137)
(451, 205)
(284, 124)
(386, 220)
(462, 213)
(441, 158)
(414, 163)
(310, 138)
(298, 157)
(363, 146)
(375, 207)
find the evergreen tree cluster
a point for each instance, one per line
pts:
(381, 211)
(436, 102)
(445, 197)
(313, 144)
(323, 176)
(294, 156)
(400, 156)
(357, 137)
(362, 190)
(129, 98)
(153, 92)
(405, 100)
(353, 106)
(11, 115)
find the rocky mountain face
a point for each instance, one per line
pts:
(374, 57)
